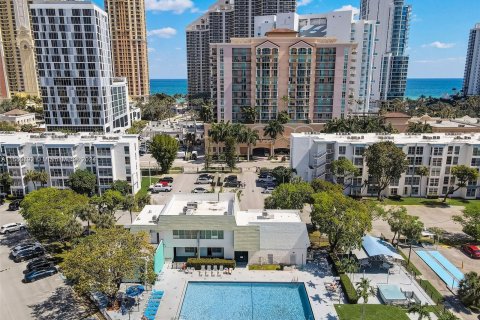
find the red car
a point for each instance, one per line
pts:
(472, 250)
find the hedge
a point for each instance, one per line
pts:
(349, 289)
(197, 263)
(436, 296)
(264, 267)
(336, 264)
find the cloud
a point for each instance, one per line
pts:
(178, 48)
(165, 33)
(177, 6)
(349, 8)
(439, 45)
(150, 50)
(452, 59)
(303, 2)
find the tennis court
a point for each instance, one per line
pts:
(444, 269)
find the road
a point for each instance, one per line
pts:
(44, 299)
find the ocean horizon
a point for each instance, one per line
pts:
(416, 87)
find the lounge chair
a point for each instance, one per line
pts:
(202, 269)
(215, 270)
(225, 270)
(219, 270)
(230, 270)
(209, 269)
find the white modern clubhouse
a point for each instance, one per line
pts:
(212, 226)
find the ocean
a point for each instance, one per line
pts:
(415, 87)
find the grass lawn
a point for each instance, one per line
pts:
(431, 202)
(372, 312)
(145, 184)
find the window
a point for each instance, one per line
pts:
(217, 250)
(411, 150)
(414, 191)
(434, 182)
(189, 250)
(358, 161)
(435, 172)
(471, 192)
(419, 150)
(475, 162)
(437, 162)
(437, 151)
(359, 151)
(104, 162)
(342, 150)
(126, 149)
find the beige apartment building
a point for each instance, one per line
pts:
(4, 89)
(18, 47)
(129, 44)
(310, 78)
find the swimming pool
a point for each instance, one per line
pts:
(245, 300)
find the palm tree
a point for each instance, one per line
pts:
(249, 137)
(350, 266)
(6, 181)
(86, 213)
(422, 310)
(422, 171)
(190, 139)
(42, 177)
(272, 130)
(447, 315)
(249, 114)
(418, 127)
(143, 200)
(31, 176)
(469, 289)
(129, 204)
(364, 291)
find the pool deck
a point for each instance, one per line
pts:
(173, 282)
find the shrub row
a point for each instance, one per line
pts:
(264, 267)
(197, 263)
(336, 264)
(436, 296)
(349, 289)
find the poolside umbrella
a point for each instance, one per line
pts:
(134, 291)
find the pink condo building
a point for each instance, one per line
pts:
(310, 78)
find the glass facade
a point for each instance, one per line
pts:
(300, 64)
(324, 84)
(266, 85)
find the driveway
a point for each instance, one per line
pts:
(44, 299)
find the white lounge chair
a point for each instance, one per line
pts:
(209, 269)
(202, 269)
(220, 269)
(230, 270)
(215, 270)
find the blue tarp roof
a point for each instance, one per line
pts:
(377, 247)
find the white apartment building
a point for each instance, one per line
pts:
(312, 153)
(72, 41)
(343, 26)
(471, 81)
(111, 157)
(18, 117)
(212, 226)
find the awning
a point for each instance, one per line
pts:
(360, 254)
(377, 247)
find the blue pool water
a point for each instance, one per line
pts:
(244, 300)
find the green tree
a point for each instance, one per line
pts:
(463, 174)
(249, 137)
(364, 291)
(190, 140)
(469, 290)
(206, 113)
(447, 315)
(422, 171)
(422, 311)
(42, 177)
(230, 152)
(320, 185)
(83, 182)
(50, 213)
(158, 107)
(418, 127)
(358, 125)
(397, 217)
(121, 186)
(142, 200)
(6, 181)
(100, 262)
(7, 126)
(31, 176)
(283, 117)
(137, 127)
(386, 162)
(27, 128)
(109, 201)
(249, 114)
(412, 230)
(282, 174)
(86, 213)
(344, 171)
(164, 149)
(470, 222)
(272, 130)
(129, 203)
(290, 196)
(343, 219)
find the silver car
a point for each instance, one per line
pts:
(12, 227)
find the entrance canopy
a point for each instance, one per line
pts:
(377, 247)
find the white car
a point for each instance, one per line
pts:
(161, 188)
(268, 190)
(204, 180)
(12, 227)
(200, 190)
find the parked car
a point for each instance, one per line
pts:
(272, 184)
(201, 180)
(27, 254)
(14, 205)
(266, 178)
(12, 227)
(231, 178)
(38, 263)
(168, 180)
(268, 190)
(39, 274)
(206, 175)
(161, 188)
(231, 184)
(27, 246)
(200, 190)
(472, 250)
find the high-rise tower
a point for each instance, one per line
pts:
(18, 48)
(390, 62)
(129, 44)
(471, 81)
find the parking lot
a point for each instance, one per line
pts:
(47, 298)
(251, 196)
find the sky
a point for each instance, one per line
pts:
(437, 46)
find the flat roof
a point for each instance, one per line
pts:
(147, 214)
(256, 216)
(399, 138)
(62, 139)
(204, 204)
